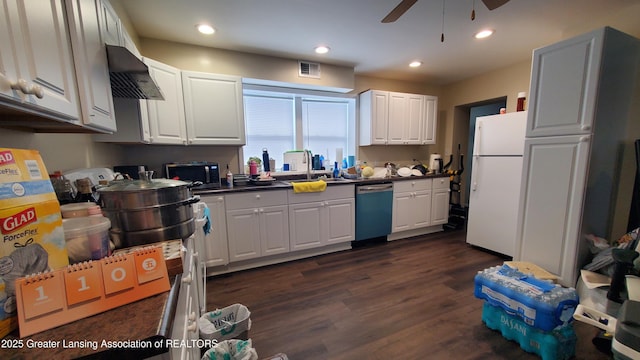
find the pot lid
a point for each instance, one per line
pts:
(142, 185)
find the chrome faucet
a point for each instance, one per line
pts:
(307, 158)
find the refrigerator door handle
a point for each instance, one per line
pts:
(476, 169)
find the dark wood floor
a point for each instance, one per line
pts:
(407, 299)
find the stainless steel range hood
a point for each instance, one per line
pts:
(130, 76)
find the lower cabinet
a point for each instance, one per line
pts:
(319, 219)
(216, 243)
(411, 205)
(257, 224)
(420, 203)
(440, 201)
(185, 324)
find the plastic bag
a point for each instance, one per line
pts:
(224, 324)
(231, 350)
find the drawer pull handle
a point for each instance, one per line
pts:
(193, 327)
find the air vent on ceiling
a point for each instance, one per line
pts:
(308, 69)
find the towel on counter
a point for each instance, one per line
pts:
(207, 225)
(311, 186)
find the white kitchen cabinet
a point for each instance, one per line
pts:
(216, 243)
(406, 115)
(440, 201)
(581, 126)
(110, 25)
(36, 64)
(185, 323)
(322, 218)
(166, 117)
(90, 60)
(213, 109)
(554, 179)
(257, 224)
(374, 117)
(392, 118)
(431, 120)
(411, 205)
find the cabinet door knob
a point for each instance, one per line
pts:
(193, 327)
(258, 196)
(255, 211)
(584, 139)
(37, 91)
(187, 279)
(586, 127)
(261, 210)
(192, 316)
(21, 85)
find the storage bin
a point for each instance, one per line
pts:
(559, 344)
(539, 303)
(231, 322)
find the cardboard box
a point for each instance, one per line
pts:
(32, 236)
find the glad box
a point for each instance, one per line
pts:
(30, 225)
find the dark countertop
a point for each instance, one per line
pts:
(148, 319)
(284, 184)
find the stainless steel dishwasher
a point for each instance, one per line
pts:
(374, 204)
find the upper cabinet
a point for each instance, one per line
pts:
(213, 109)
(391, 118)
(90, 59)
(36, 65)
(166, 117)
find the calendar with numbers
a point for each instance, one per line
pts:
(53, 298)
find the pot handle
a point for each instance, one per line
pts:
(191, 200)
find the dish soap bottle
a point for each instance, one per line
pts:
(229, 177)
(336, 171)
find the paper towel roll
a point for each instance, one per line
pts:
(339, 155)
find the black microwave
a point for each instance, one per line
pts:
(206, 172)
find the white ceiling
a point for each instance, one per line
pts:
(353, 31)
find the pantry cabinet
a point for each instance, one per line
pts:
(90, 60)
(411, 205)
(36, 64)
(392, 118)
(216, 243)
(323, 218)
(257, 224)
(213, 109)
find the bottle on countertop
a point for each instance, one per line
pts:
(229, 177)
(85, 191)
(522, 97)
(265, 160)
(253, 168)
(336, 170)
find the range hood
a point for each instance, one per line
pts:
(130, 76)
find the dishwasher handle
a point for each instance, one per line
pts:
(361, 189)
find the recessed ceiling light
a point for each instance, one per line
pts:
(205, 29)
(322, 49)
(483, 34)
(415, 63)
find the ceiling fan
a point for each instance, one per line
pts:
(406, 4)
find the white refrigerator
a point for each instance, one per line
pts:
(495, 181)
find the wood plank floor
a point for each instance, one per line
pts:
(407, 299)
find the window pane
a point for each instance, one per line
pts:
(269, 124)
(326, 127)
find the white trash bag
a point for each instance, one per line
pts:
(231, 350)
(224, 324)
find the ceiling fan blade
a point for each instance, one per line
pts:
(398, 11)
(494, 4)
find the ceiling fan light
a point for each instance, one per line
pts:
(483, 34)
(416, 63)
(322, 49)
(205, 29)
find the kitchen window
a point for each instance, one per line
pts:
(282, 120)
